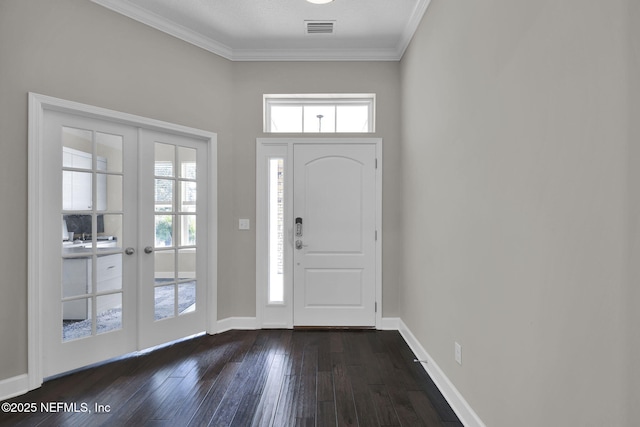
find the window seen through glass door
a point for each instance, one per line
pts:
(175, 230)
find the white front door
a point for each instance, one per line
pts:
(125, 239)
(334, 234)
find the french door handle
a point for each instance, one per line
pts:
(148, 250)
(129, 251)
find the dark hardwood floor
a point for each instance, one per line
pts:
(248, 378)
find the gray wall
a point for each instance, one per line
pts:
(515, 157)
(251, 81)
(633, 300)
(76, 50)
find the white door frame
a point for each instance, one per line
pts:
(281, 315)
(38, 104)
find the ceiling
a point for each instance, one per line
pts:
(272, 30)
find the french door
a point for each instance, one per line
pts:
(173, 260)
(125, 239)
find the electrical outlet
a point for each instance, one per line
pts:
(458, 353)
(244, 224)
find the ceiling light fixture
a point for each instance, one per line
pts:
(319, 1)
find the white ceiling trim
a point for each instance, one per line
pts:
(186, 34)
(159, 23)
(412, 25)
(315, 55)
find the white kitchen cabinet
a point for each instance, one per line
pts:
(77, 184)
(77, 281)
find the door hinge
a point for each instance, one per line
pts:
(376, 163)
(376, 306)
(376, 235)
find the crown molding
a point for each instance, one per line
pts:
(315, 55)
(190, 36)
(412, 26)
(166, 26)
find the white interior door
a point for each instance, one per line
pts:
(173, 237)
(334, 204)
(89, 299)
(125, 236)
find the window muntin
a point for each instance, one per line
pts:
(324, 113)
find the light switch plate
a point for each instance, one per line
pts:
(244, 224)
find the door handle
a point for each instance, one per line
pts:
(148, 250)
(129, 251)
(298, 227)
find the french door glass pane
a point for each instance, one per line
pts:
(164, 159)
(188, 196)
(186, 264)
(186, 297)
(187, 160)
(77, 190)
(109, 192)
(111, 234)
(77, 151)
(109, 309)
(164, 264)
(164, 231)
(109, 151)
(76, 276)
(187, 230)
(76, 319)
(164, 297)
(164, 195)
(109, 273)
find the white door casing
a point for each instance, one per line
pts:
(44, 232)
(335, 278)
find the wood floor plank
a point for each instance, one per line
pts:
(384, 408)
(285, 410)
(209, 406)
(345, 406)
(424, 408)
(325, 386)
(266, 408)
(247, 386)
(363, 399)
(327, 414)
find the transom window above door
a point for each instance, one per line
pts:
(319, 113)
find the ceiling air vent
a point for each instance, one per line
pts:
(319, 27)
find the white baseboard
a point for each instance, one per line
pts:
(243, 323)
(390, 324)
(465, 413)
(14, 386)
